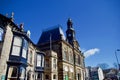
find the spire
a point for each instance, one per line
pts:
(69, 23)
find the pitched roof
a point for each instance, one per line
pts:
(53, 34)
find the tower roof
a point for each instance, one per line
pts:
(55, 34)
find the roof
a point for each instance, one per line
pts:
(53, 34)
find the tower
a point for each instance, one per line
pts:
(70, 33)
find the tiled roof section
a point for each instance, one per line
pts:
(54, 34)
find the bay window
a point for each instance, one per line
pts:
(16, 46)
(25, 47)
(19, 44)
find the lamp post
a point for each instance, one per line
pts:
(117, 58)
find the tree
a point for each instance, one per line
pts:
(103, 65)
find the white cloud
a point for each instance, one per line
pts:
(91, 52)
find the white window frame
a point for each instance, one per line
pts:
(39, 58)
(16, 48)
(1, 33)
(10, 72)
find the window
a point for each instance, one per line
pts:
(30, 58)
(39, 77)
(16, 46)
(78, 59)
(39, 60)
(1, 34)
(46, 76)
(71, 57)
(25, 47)
(54, 63)
(12, 73)
(22, 73)
(42, 61)
(54, 76)
(65, 55)
(47, 63)
(71, 75)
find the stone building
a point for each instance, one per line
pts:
(70, 60)
(20, 58)
(51, 70)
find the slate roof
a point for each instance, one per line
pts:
(54, 34)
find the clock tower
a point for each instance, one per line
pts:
(70, 33)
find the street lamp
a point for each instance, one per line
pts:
(117, 58)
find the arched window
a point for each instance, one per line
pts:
(1, 34)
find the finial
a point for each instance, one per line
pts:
(69, 23)
(6, 15)
(28, 33)
(12, 16)
(21, 27)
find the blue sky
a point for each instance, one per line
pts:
(96, 22)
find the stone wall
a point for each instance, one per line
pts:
(5, 50)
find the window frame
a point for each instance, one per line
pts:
(12, 77)
(16, 45)
(22, 73)
(39, 60)
(24, 48)
(1, 33)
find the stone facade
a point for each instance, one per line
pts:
(5, 50)
(51, 72)
(61, 55)
(70, 59)
(20, 58)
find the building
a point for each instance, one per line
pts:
(70, 60)
(94, 73)
(51, 69)
(20, 58)
(110, 73)
(55, 57)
